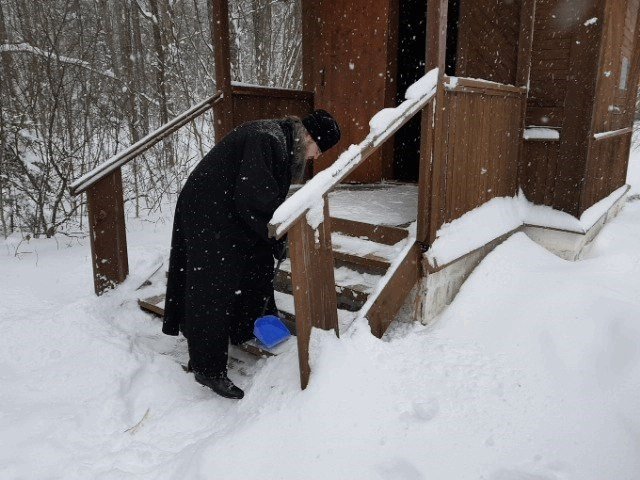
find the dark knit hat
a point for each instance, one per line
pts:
(323, 129)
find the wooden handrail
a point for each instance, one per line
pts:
(311, 194)
(122, 158)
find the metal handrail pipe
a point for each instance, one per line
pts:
(119, 159)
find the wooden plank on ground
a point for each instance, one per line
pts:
(394, 292)
(153, 304)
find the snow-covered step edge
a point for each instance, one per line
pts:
(346, 277)
(285, 304)
(362, 247)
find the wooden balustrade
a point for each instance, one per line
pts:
(103, 185)
(311, 252)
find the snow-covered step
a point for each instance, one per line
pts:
(385, 234)
(346, 277)
(362, 255)
(352, 287)
(285, 304)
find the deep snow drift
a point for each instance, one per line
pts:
(532, 373)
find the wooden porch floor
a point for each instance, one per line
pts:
(392, 204)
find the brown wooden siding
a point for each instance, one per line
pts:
(482, 124)
(254, 103)
(562, 89)
(611, 110)
(614, 107)
(538, 170)
(606, 169)
(488, 32)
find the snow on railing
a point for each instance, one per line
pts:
(612, 133)
(381, 126)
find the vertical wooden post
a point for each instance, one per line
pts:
(309, 20)
(219, 21)
(525, 42)
(314, 291)
(431, 170)
(107, 232)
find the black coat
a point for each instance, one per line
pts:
(220, 224)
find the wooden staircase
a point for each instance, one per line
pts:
(325, 295)
(362, 255)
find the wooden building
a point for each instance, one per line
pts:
(584, 78)
(531, 94)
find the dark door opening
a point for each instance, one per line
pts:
(412, 31)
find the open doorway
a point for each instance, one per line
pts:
(412, 30)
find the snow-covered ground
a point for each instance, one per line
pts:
(533, 373)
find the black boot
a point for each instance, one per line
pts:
(221, 385)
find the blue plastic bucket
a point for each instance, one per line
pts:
(270, 330)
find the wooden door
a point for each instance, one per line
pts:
(350, 64)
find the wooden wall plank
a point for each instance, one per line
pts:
(481, 148)
(607, 159)
(247, 107)
(565, 98)
(488, 33)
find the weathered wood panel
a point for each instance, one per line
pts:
(606, 169)
(538, 170)
(481, 156)
(562, 88)
(354, 72)
(107, 232)
(618, 40)
(254, 103)
(616, 91)
(488, 33)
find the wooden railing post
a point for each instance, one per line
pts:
(219, 27)
(430, 182)
(107, 232)
(314, 291)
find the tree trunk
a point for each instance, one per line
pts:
(262, 39)
(6, 87)
(161, 86)
(129, 78)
